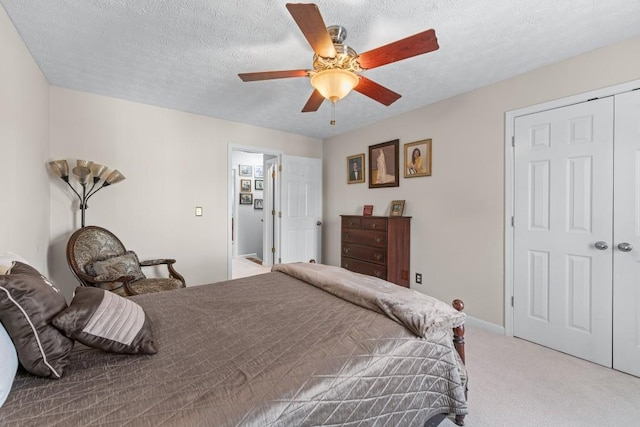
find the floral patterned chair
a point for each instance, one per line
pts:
(98, 258)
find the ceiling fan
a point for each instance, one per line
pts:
(336, 66)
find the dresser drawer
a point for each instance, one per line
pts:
(365, 253)
(365, 237)
(351, 222)
(373, 223)
(367, 268)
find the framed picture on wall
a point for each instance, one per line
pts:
(417, 159)
(246, 198)
(257, 172)
(245, 185)
(384, 165)
(245, 170)
(355, 169)
(258, 184)
(257, 204)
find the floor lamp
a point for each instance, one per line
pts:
(86, 172)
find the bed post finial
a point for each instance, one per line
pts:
(458, 333)
(458, 343)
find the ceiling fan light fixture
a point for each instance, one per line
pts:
(334, 84)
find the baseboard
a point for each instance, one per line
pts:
(487, 326)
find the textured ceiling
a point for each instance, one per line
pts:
(186, 54)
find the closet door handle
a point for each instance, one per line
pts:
(601, 245)
(625, 247)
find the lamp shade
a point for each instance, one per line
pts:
(114, 178)
(335, 83)
(97, 170)
(60, 168)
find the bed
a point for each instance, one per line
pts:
(293, 347)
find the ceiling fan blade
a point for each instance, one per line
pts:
(314, 102)
(414, 45)
(376, 92)
(310, 22)
(270, 75)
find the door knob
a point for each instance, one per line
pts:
(602, 245)
(625, 247)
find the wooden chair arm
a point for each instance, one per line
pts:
(161, 261)
(169, 263)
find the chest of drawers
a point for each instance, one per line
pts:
(377, 246)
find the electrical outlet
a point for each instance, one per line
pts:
(419, 278)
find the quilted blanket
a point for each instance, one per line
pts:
(268, 350)
(419, 313)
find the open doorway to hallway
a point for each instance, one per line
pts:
(252, 199)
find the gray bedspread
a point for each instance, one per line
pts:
(268, 350)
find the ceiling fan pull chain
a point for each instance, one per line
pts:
(333, 113)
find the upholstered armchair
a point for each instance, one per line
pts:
(98, 258)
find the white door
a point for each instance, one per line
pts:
(563, 206)
(626, 259)
(271, 200)
(301, 206)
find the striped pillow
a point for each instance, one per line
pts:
(107, 321)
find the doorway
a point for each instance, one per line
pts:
(250, 196)
(573, 204)
(286, 222)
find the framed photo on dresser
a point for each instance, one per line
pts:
(397, 208)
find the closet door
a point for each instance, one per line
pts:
(563, 229)
(626, 241)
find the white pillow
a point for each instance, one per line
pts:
(8, 364)
(7, 258)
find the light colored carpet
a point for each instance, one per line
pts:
(513, 382)
(243, 267)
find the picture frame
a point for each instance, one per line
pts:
(245, 170)
(355, 169)
(257, 203)
(417, 159)
(246, 198)
(397, 208)
(258, 172)
(245, 185)
(367, 210)
(384, 164)
(258, 184)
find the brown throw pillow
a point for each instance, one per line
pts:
(110, 269)
(28, 302)
(107, 321)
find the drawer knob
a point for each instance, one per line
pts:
(346, 265)
(378, 257)
(347, 235)
(378, 274)
(378, 239)
(345, 250)
(374, 225)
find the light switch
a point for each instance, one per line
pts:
(198, 210)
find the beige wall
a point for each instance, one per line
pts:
(172, 161)
(458, 212)
(24, 147)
